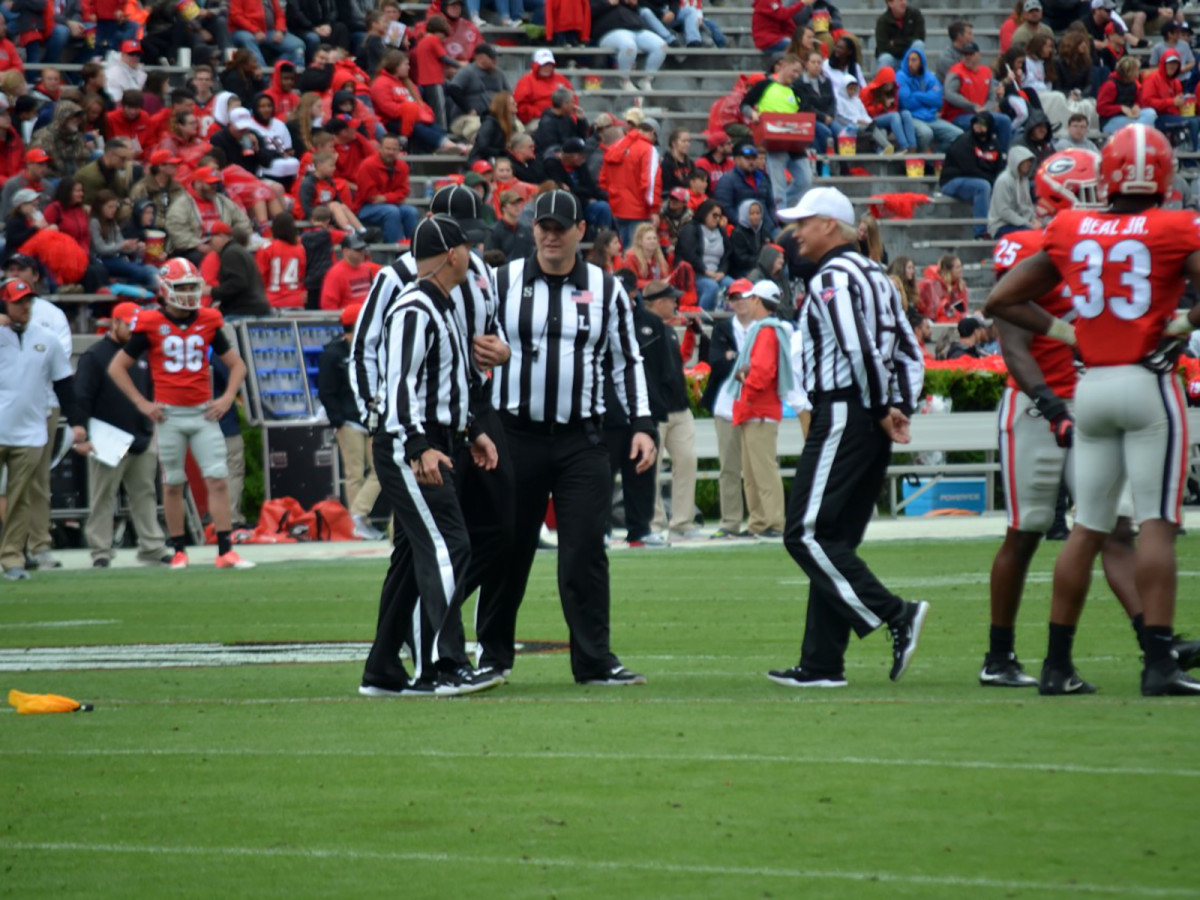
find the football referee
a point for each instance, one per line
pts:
(570, 326)
(425, 414)
(863, 370)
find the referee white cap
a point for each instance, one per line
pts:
(820, 201)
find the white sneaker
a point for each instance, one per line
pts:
(646, 85)
(547, 539)
(365, 530)
(691, 534)
(627, 85)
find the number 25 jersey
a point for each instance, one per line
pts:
(1124, 272)
(179, 353)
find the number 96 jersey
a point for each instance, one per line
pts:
(1124, 272)
(179, 353)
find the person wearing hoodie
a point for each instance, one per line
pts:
(968, 90)
(920, 95)
(772, 267)
(1117, 100)
(883, 105)
(63, 139)
(1011, 207)
(281, 91)
(1162, 91)
(972, 164)
(275, 139)
(777, 94)
(1038, 137)
(747, 239)
(535, 88)
(631, 175)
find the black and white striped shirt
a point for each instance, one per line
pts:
(424, 360)
(856, 336)
(474, 306)
(568, 335)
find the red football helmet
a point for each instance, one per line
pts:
(180, 284)
(1070, 179)
(1137, 160)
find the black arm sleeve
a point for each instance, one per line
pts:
(88, 380)
(64, 390)
(220, 343)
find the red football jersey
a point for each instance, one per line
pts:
(1125, 275)
(1054, 358)
(179, 354)
(283, 266)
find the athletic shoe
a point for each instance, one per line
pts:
(617, 675)
(1055, 682)
(16, 573)
(1005, 672)
(179, 560)
(365, 530)
(721, 534)
(465, 680)
(799, 678)
(691, 534)
(905, 635)
(1168, 682)
(102, 563)
(231, 560)
(382, 687)
(1187, 653)
(491, 671)
(652, 541)
(43, 560)
(770, 534)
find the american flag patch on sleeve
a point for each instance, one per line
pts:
(581, 296)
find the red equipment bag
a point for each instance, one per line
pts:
(785, 131)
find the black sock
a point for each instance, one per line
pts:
(1058, 653)
(1157, 641)
(1139, 627)
(223, 545)
(178, 541)
(1001, 640)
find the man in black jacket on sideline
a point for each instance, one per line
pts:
(239, 290)
(972, 163)
(96, 396)
(354, 443)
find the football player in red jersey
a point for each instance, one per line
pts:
(1036, 430)
(178, 337)
(1123, 268)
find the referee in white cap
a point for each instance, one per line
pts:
(863, 370)
(424, 409)
(570, 326)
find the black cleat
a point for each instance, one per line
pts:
(1055, 682)
(1169, 681)
(1004, 672)
(797, 677)
(1187, 653)
(465, 680)
(905, 635)
(615, 677)
(383, 687)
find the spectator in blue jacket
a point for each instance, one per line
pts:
(746, 181)
(921, 95)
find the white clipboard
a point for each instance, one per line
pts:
(109, 443)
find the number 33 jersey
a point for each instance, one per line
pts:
(179, 353)
(1124, 272)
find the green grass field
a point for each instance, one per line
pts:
(278, 781)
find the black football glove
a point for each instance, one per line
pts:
(1054, 410)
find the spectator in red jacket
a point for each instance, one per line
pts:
(12, 148)
(433, 62)
(630, 173)
(382, 190)
(943, 295)
(8, 51)
(352, 149)
(283, 79)
(349, 280)
(131, 121)
(397, 101)
(258, 26)
(771, 24)
(535, 87)
(1162, 91)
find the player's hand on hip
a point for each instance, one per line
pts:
(216, 407)
(152, 411)
(490, 351)
(643, 450)
(428, 467)
(483, 453)
(896, 426)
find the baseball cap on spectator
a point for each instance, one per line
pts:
(486, 50)
(557, 206)
(543, 57)
(745, 147)
(482, 166)
(602, 121)
(768, 292)
(37, 155)
(1104, 4)
(741, 287)
(463, 205)
(131, 47)
(25, 195)
(650, 124)
(220, 227)
(124, 312)
(207, 174)
(681, 193)
(14, 289)
(354, 241)
(574, 145)
(21, 261)
(435, 236)
(350, 315)
(1031, 5)
(658, 290)
(821, 201)
(969, 48)
(241, 118)
(164, 158)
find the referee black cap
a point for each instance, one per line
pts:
(435, 236)
(558, 206)
(464, 206)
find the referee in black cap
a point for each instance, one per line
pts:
(570, 326)
(425, 416)
(863, 370)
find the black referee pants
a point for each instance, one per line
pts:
(637, 488)
(570, 463)
(838, 479)
(423, 589)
